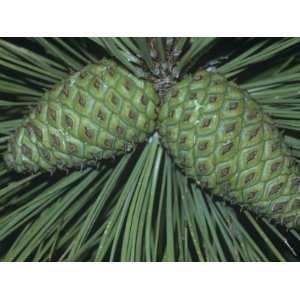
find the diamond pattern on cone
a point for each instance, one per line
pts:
(219, 136)
(100, 112)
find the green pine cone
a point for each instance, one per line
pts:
(97, 113)
(221, 138)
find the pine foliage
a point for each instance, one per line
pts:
(139, 207)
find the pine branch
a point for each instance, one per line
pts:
(140, 208)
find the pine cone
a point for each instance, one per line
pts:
(220, 137)
(97, 113)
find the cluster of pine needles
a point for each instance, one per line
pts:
(139, 207)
